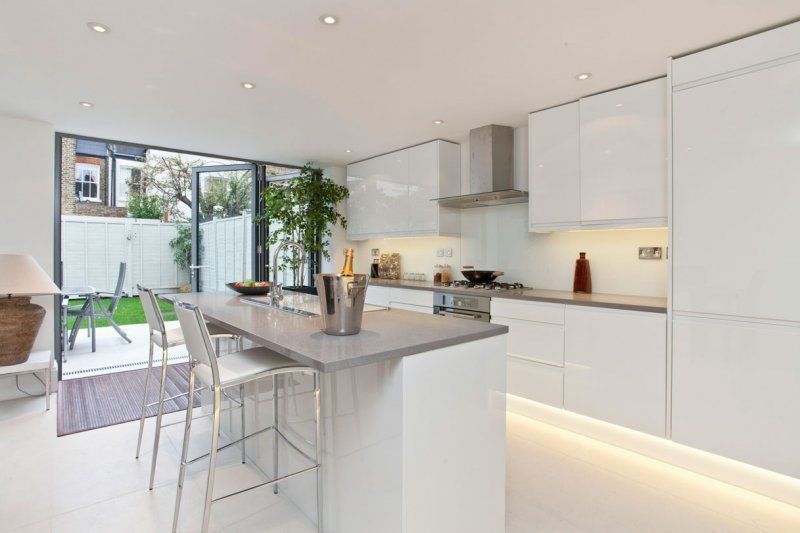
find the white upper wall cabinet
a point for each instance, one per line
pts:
(390, 195)
(623, 149)
(601, 162)
(554, 168)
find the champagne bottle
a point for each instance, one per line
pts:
(347, 269)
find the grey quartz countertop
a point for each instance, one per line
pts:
(385, 333)
(612, 301)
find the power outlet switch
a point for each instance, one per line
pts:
(650, 253)
(440, 252)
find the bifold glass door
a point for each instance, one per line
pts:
(223, 243)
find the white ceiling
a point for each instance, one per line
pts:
(168, 73)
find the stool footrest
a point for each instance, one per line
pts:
(237, 441)
(268, 483)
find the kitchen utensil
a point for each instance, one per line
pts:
(341, 302)
(481, 276)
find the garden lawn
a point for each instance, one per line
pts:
(129, 311)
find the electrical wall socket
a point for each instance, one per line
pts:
(376, 252)
(440, 252)
(650, 253)
(448, 252)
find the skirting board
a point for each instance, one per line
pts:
(770, 484)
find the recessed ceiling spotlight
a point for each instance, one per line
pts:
(248, 85)
(618, 105)
(99, 28)
(438, 121)
(583, 76)
(348, 151)
(328, 19)
(87, 104)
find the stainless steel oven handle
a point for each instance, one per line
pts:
(458, 315)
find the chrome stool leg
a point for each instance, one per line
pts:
(275, 432)
(318, 447)
(184, 451)
(160, 414)
(144, 397)
(244, 432)
(212, 462)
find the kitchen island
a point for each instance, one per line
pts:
(413, 413)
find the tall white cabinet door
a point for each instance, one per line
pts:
(734, 391)
(391, 186)
(554, 166)
(736, 185)
(615, 365)
(423, 180)
(624, 154)
(358, 203)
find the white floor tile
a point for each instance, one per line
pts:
(556, 481)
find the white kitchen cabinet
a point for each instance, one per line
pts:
(615, 365)
(534, 341)
(735, 190)
(390, 195)
(535, 381)
(428, 310)
(554, 168)
(535, 348)
(391, 186)
(735, 390)
(377, 295)
(623, 156)
(411, 297)
(359, 202)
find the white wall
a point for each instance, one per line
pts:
(26, 210)
(498, 237)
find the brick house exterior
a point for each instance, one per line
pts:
(71, 204)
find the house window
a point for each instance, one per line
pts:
(128, 172)
(87, 182)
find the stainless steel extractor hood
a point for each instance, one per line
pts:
(491, 170)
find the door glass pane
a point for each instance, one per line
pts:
(224, 227)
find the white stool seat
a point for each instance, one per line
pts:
(239, 367)
(175, 335)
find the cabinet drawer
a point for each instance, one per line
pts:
(522, 310)
(534, 340)
(411, 296)
(535, 381)
(410, 307)
(377, 295)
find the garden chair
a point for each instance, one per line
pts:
(87, 310)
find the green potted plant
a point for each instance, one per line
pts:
(304, 210)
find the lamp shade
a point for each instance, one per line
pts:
(21, 275)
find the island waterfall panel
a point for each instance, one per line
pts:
(412, 444)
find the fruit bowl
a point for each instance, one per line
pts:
(261, 288)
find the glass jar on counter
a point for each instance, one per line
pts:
(437, 274)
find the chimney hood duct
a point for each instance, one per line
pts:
(491, 169)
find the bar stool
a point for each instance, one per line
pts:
(165, 339)
(235, 370)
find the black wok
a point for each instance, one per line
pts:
(481, 276)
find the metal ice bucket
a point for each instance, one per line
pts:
(341, 302)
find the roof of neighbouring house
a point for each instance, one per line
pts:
(101, 149)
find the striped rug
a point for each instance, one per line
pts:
(99, 401)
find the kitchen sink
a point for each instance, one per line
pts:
(265, 302)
